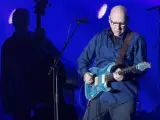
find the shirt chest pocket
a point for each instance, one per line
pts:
(105, 52)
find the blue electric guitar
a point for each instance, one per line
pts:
(104, 75)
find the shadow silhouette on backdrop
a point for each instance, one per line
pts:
(27, 88)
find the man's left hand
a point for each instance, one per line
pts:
(116, 76)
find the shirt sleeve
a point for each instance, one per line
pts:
(140, 55)
(87, 56)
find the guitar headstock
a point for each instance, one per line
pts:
(143, 65)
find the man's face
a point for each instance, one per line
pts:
(118, 24)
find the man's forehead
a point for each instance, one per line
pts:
(118, 17)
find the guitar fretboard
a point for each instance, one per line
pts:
(109, 77)
(127, 70)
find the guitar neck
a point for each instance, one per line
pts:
(127, 70)
(109, 77)
(141, 66)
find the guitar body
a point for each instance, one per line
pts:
(100, 83)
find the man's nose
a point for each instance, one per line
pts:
(119, 27)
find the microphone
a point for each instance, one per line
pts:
(81, 20)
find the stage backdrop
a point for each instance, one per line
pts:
(60, 14)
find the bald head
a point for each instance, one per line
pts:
(119, 12)
(118, 19)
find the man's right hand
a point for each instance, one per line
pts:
(88, 78)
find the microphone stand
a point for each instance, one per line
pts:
(54, 71)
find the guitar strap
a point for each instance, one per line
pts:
(124, 48)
